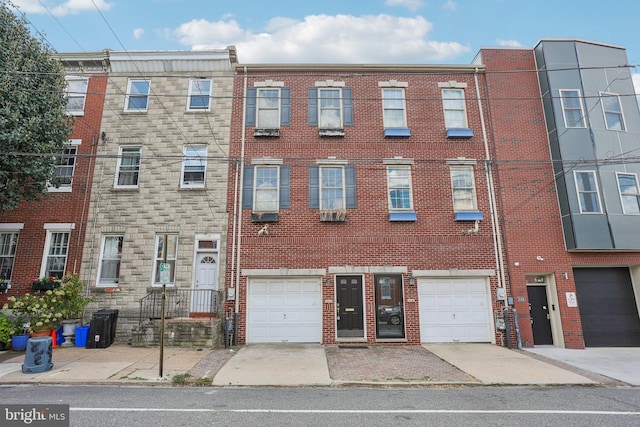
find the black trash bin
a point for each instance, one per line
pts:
(102, 329)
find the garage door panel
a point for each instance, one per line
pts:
(454, 310)
(284, 310)
(607, 306)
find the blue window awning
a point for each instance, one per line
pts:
(459, 133)
(397, 132)
(469, 216)
(402, 216)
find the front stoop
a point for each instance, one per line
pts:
(180, 332)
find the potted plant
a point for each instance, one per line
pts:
(4, 285)
(19, 334)
(74, 301)
(45, 283)
(5, 332)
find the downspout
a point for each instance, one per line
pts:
(238, 206)
(87, 196)
(495, 225)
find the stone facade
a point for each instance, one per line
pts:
(158, 206)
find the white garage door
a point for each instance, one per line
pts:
(284, 310)
(454, 310)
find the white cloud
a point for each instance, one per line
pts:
(412, 5)
(323, 38)
(137, 33)
(508, 43)
(57, 8)
(450, 4)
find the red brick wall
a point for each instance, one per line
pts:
(59, 207)
(300, 240)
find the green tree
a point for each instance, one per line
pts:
(33, 123)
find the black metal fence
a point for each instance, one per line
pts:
(181, 303)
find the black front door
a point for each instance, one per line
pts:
(539, 312)
(349, 306)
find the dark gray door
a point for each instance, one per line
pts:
(539, 312)
(349, 308)
(607, 305)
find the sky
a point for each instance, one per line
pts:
(332, 31)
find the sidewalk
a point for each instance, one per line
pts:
(305, 365)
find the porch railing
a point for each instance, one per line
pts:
(181, 303)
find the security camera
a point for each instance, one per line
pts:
(539, 258)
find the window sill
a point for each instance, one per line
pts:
(264, 216)
(331, 132)
(397, 132)
(126, 189)
(269, 133)
(469, 216)
(403, 216)
(187, 188)
(459, 133)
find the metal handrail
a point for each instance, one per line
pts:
(180, 303)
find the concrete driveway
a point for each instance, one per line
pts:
(619, 363)
(276, 364)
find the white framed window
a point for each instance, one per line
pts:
(330, 108)
(137, 98)
(629, 193)
(56, 250)
(455, 110)
(199, 98)
(332, 188)
(464, 188)
(194, 166)
(612, 110)
(572, 108)
(166, 253)
(268, 108)
(394, 113)
(587, 190)
(110, 258)
(128, 167)
(8, 246)
(399, 188)
(65, 167)
(265, 188)
(76, 94)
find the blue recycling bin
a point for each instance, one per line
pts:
(39, 355)
(82, 332)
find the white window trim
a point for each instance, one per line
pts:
(55, 228)
(595, 180)
(392, 209)
(344, 186)
(620, 190)
(258, 109)
(100, 284)
(128, 96)
(583, 117)
(464, 107)
(604, 112)
(404, 107)
(340, 107)
(190, 94)
(277, 187)
(78, 112)
(118, 164)
(69, 189)
(8, 227)
(473, 184)
(184, 159)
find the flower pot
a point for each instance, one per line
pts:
(19, 342)
(46, 332)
